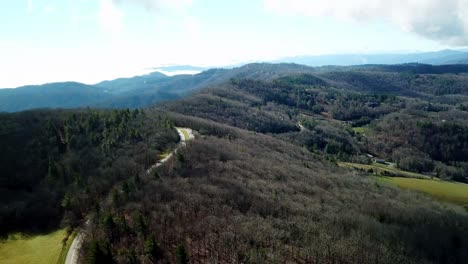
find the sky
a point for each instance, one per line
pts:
(93, 40)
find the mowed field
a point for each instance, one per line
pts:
(451, 192)
(38, 249)
(381, 169)
(361, 130)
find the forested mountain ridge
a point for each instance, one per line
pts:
(136, 92)
(147, 90)
(260, 182)
(54, 95)
(236, 196)
(401, 113)
(54, 161)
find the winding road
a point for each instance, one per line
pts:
(300, 126)
(185, 134)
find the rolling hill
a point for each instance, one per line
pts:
(136, 92)
(260, 183)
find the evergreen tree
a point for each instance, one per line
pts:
(152, 248)
(181, 255)
(97, 254)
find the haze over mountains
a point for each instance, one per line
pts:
(436, 58)
(139, 91)
(146, 90)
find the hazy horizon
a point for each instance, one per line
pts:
(160, 68)
(89, 41)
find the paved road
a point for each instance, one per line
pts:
(182, 136)
(182, 143)
(301, 126)
(74, 251)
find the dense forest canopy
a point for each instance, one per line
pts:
(260, 182)
(54, 161)
(242, 197)
(426, 125)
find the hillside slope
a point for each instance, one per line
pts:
(260, 182)
(235, 196)
(57, 161)
(324, 111)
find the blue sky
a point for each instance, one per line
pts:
(92, 40)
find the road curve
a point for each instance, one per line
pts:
(73, 251)
(300, 126)
(185, 134)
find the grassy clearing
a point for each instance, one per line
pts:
(361, 130)
(381, 169)
(451, 192)
(39, 249)
(456, 193)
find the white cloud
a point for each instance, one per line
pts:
(49, 9)
(193, 28)
(111, 13)
(156, 5)
(29, 6)
(110, 17)
(442, 20)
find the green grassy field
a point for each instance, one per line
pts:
(361, 130)
(451, 192)
(382, 169)
(39, 249)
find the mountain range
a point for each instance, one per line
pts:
(147, 90)
(139, 91)
(289, 164)
(435, 58)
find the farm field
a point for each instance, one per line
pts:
(39, 249)
(361, 130)
(384, 170)
(451, 192)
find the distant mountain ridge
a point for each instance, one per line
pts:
(435, 58)
(135, 92)
(150, 89)
(53, 95)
